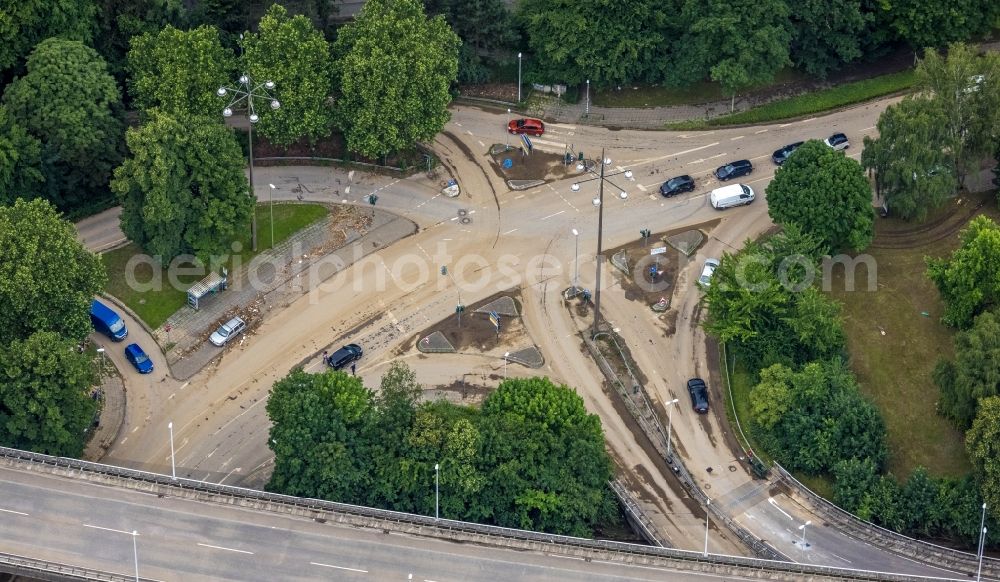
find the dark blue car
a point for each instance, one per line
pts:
(138, 358)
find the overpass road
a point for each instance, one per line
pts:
(382, 302)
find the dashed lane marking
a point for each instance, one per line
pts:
(226, 549)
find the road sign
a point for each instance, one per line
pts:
(657, 250)
(527, 142)
(495, 320)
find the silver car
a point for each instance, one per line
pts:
(228, 331)
(706, 273)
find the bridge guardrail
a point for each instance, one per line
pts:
(47, 570)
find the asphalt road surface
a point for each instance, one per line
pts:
(517, 239)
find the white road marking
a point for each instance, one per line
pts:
(133, 430)
(229, 474)
(458, 124)
(337, 567)
(125, 439)
(786, 124)
(468, 132)
(808, 120)
(841, 558)
(510, 231)
(519, 197)
(12, 511)
(171, 397)
(108, 529)
(706, 159)
(772, 502)
(184, 385)
(235, 418)
(868, 128)
(481, 144)
(226, 549)
(555, 214)
(562, 125)
(566, 557)
(545, 142)
(649, 160)
(760, 131)
(737, 137)
(212, 453)
(641, 187)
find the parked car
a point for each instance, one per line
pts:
(344, 356)
(528, 125)
(138, 358)
(227, 331)
(699, 395)
(675, 186)
(837, 141)
(733, 170)
(779, 156)
(731, 195)
(107, 321)
(706, 272)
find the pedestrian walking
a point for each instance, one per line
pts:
(353, 367)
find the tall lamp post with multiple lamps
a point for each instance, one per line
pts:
(601, 178)
(246, 91)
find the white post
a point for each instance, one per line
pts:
(505, 356)
(576, 260)
(670, 419)
(101, 351)
(802, 527)
(588, 98)
(270, 203)
(707, 503)
(506, 141)
(518, 77)
(437, 489)
(135, 553)
(173, 465)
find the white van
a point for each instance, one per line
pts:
(731, 195)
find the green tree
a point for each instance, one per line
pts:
(393, 75)
(44, 401)
(47, 278)
(23, 25)
(553, 477)
(20, 161)
(853, 480)
(826, 193)
(293, 54)
(975, 373)
(183, 189)
(771, 398)
(913, 168)
(179, 71)
(967, 279)
(607, 42)
(736, 44)
(919, 498)
(483, 25)
(77, 118)
(321, 426)
(982, 442)
(826, 34)
(928, 23)
(966, 89)
(120, 20)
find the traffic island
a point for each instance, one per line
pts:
(522, 169)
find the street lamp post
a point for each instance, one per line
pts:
(247, 91)
(599, 203)
(982, 540)
(518, 77)
(506, 139)
(173, 465)
(802, 541)
(270, 204)
(576, 260)
(670, 419)
(135, 554)
(437, 489)
(101, 351)
(505, 356)
(707, 503)
(587, 112)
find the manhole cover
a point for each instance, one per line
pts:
(466, 220)
(462, 212)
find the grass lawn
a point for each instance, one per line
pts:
(660, 96)
(809, 103)
(155, 306)
(740, 383)
(894, 347)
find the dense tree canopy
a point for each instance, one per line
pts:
(931, 23)
(47, 278)
(25, 23)
(120, 20)
(335, 439)
(179, 71)
(826, 194)
(913, 171)
(736, 43)
(182, 188)
(393, 75)
(293, 54)
(967, 279)
(69, 103)
(606, 42)
(44, 402)
(826, 34)
(20, 161)
(982, 442)
(975, 373)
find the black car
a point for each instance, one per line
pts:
(781, 155)
(733, 170)
(675, 186)
(699, 395)
(344, 356)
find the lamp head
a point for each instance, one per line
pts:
(575, 187)
(227, 112)
(623, 195)
(221, 92)
(596, 201)
(244, 79)
(254, 118)
(269, 84)
(576, 232)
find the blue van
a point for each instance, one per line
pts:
(107, 321)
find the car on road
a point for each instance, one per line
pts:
(529, 125)
(730, 196)
(138, 358)
(706, 272)
(779, 156)
(106, 321)
(344, 356)
(699, 395)
(733, 170)
(837, 141)
(227, 331)
(676, 185)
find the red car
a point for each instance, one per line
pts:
(529, 126)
